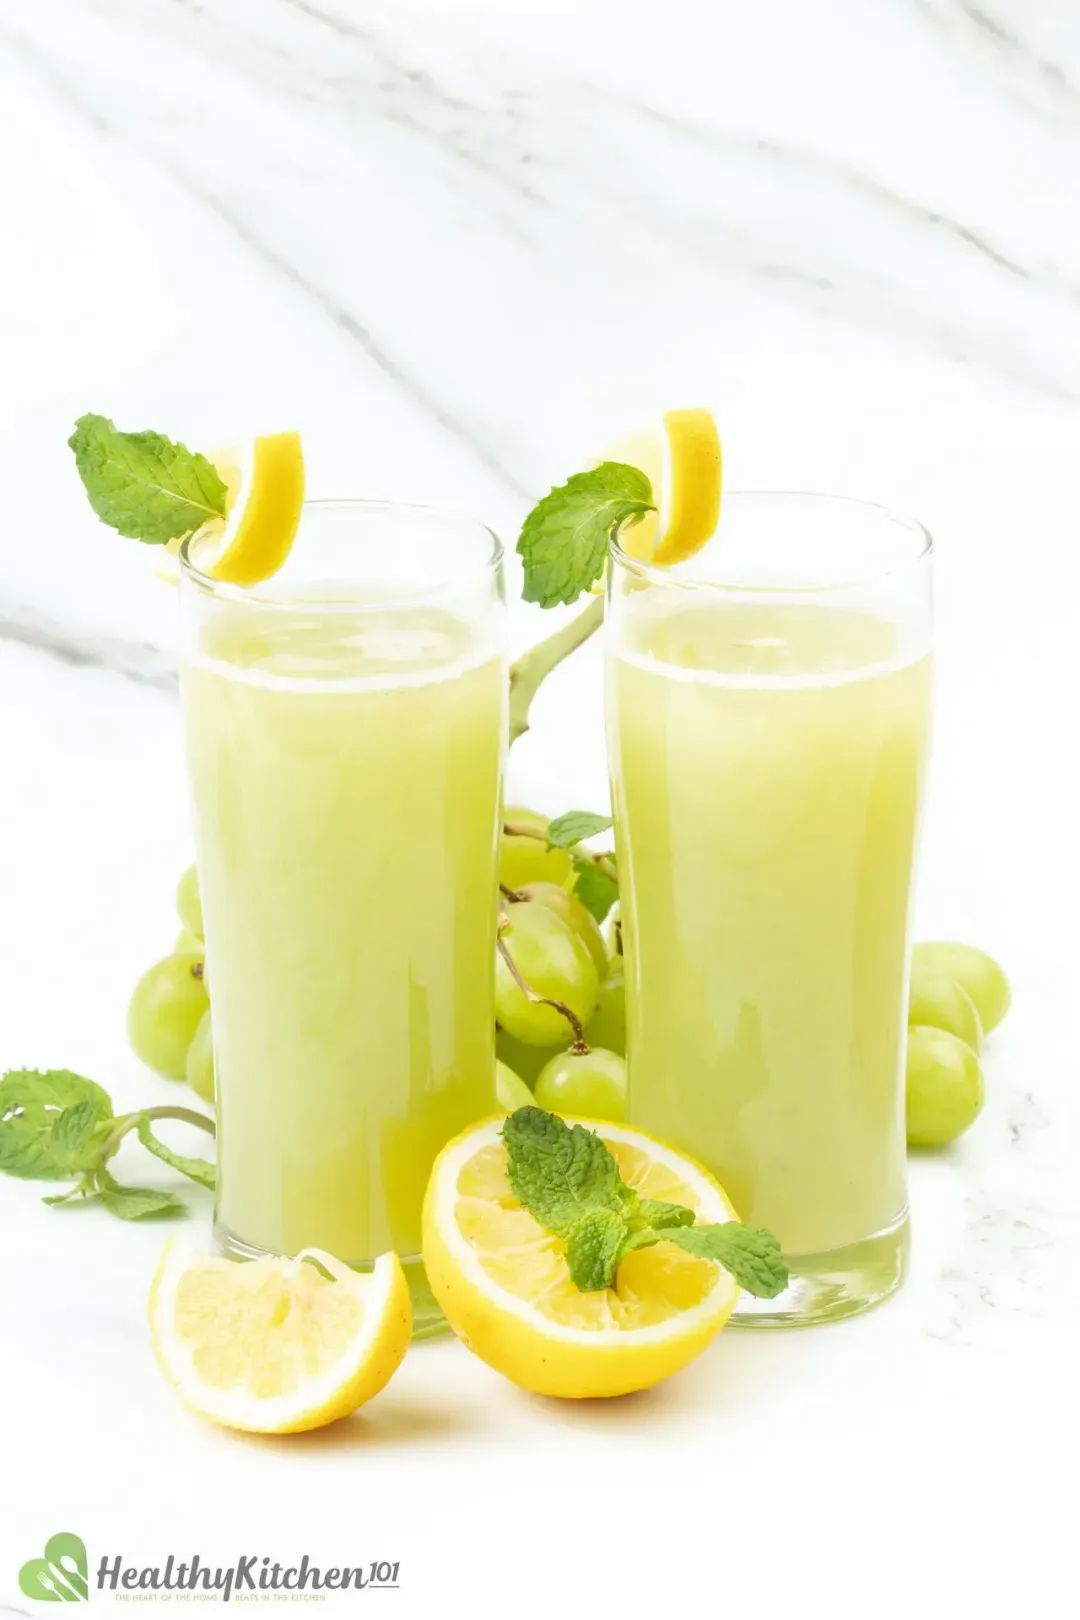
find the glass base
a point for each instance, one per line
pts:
(828, 1287)
(428, 1319)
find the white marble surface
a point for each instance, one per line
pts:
(458, 244)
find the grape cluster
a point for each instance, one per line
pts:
(958, 995)
(560, 1006)
(560, 1011)
(169, 1016)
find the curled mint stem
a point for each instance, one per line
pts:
(130, 1122)
(532, 669)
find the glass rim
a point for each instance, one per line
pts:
(661, 574)
(255, 596)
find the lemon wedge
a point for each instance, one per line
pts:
(275, 1346)
(681, 457)
(505, 1288)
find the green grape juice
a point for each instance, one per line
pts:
(766, 765)
(346, 772)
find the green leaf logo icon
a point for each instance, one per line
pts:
(59, 1577)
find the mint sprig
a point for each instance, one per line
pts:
(144, 485)
(46, 1120)
(560, 1172)
(564, 539)
(60, 1126)
(570, 1184)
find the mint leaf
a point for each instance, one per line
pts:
(564, 539)
(144, 485)
(596, 891)
(570, 828)
(200, 1170)
(33, 1103)
(73, 1140)
(750, 1253)
(656, 1213)
(83, 1188)
(594, 1249)
(136, 1203)
(560, 1172)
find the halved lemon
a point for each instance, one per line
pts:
(681, 457)
(264, 484)
(504, 1286)
(274, 1345)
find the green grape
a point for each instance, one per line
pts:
(199, 1068)
(510, 1089)
(528, 860)
(188, 944)
(944, 1087)
(939, 1002)
(553, 962)
(164, 1012)
(974, 972)
(189, 902)
(613, 933)
(607, 1026)
(527, 1061)
(533, 822)
(565, 904)
(590, 1084)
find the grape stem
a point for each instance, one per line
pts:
(580, 1045)
(528, 673)
(604, 860)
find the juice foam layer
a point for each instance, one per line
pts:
(346, 644)
(761, 645)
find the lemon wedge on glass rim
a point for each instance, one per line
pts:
(505, 1288)
(276, 1346)
(682, 459)
(264, 483)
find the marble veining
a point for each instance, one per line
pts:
(1004, 1264)
(142, 662)
(544, 168)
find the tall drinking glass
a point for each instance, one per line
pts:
(768, 715)
(345, 728)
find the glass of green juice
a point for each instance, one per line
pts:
(346, 731)
(768, 711)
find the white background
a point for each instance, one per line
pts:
(459, 244)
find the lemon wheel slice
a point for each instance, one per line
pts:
(505, 1288)
(273, 1345)
(682, 459)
